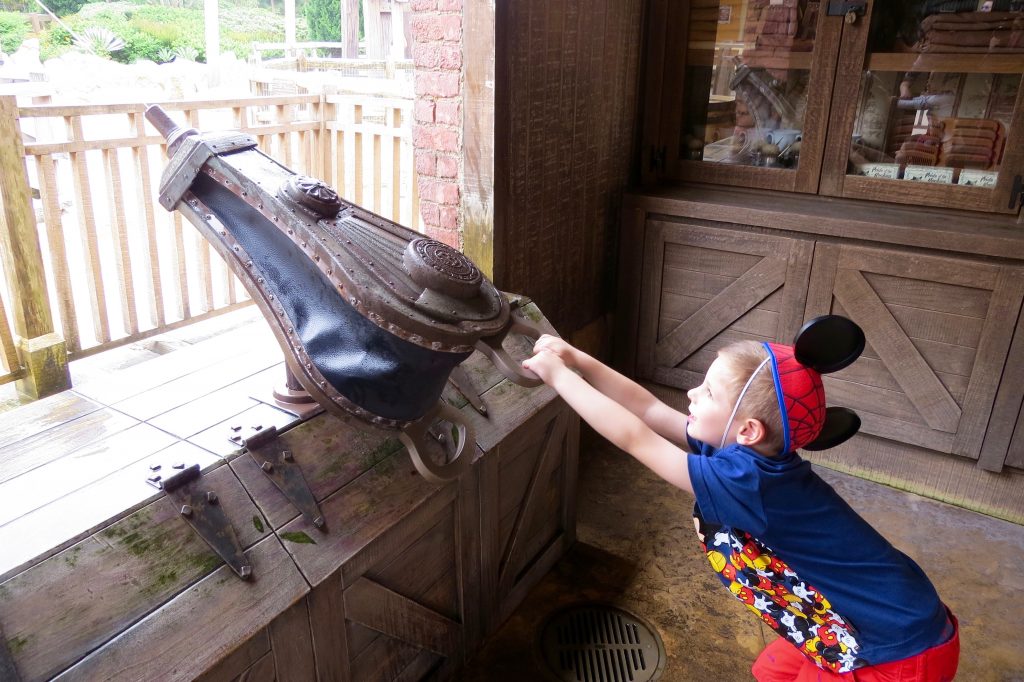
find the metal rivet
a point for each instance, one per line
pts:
(178, 465)
(245, 571)
(318, 522)
(268, 467)
(211, 497)
(186, 510)
(257, 427)
(154, 467)
(288, 457)
(154, 479)
(236, 428)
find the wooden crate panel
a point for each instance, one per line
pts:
(700, 282)
(938, 333)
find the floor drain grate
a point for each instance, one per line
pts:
(599, 643)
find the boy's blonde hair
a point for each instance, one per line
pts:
(760, 401)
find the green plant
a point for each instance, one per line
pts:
(164, 55)
(99, 41)
(13, 29)
(187, 52)
(324, 20)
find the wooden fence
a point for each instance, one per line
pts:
(118, 268)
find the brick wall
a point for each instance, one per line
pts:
(437, 50)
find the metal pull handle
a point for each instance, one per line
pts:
(415, 437)
(492, 348)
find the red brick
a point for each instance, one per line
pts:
(423, 137)
(423, 5)
(449, 217)
(426, 55)
(449, 5)
(428, 28)
(449, 237)
(446, 140)
(446, 167)
(447, 193)
(450, 57)
(438, 84)
(449, 112)
(451, 27)
(426, 162)
(424, 111)
(430, 213)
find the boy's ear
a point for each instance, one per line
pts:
(752, 431)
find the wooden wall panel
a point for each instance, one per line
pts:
(938, 334)
(703, 289)
(565, 118)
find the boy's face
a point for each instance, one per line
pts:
(711, 403)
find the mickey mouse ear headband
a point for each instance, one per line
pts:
(823, 345)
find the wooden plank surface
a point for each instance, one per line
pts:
(910, 370)
(39, 415)
(236, 610)
(57, 442)
(40, 486)
(292, 642)
(239, 660)
(374, 606)
(31, 538)
(131, 567)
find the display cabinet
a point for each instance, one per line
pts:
(908, 101)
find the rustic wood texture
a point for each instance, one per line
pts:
(949, 478)
(133, 567)
(938, 332)
(1006, 411)
(292, 642)
(959, 232)
(705, 288)
(566, 75)
(248, 654)
(237, 610)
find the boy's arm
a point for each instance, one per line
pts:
(663, 419)
(619, 425)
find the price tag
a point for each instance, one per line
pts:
(937, 174)
(889, 171)
(978, 178)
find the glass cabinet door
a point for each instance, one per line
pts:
(932, 114)
(756, 85)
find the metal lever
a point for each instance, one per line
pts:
(279, 465)
(202, 511)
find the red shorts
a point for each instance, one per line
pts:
(782, 662)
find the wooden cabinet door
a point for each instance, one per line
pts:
(938, 332)
(703, 288)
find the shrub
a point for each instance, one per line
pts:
(323, 17)
(99, 41)
(13, 29)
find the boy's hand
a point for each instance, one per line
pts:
(545, 364)
(559, 347)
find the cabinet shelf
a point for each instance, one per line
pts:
(795, 61)
(946, 62)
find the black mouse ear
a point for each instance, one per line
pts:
(828, 343)
(840, 425)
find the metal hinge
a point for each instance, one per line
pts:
(851, 9)
(203, 512)
(1017, 194)
(279, 465)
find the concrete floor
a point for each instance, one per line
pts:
(637, 549)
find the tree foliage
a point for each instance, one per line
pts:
(13, 29)
(323, 17)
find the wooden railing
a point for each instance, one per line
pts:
(118, 267)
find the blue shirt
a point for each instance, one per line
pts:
(800, 557)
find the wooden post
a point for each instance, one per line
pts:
(373, 31)
(42, 352)
(350, 28)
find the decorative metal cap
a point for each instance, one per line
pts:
(439, 267)
(312, 194)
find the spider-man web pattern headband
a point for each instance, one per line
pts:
(824, 344)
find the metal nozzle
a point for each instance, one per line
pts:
(166, 126)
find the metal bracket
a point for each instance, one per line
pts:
(190, 158)
(279, 465)
(203, 512)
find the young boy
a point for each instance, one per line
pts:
(846, 604)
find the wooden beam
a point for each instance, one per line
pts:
(41, 351)
(378, 608)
